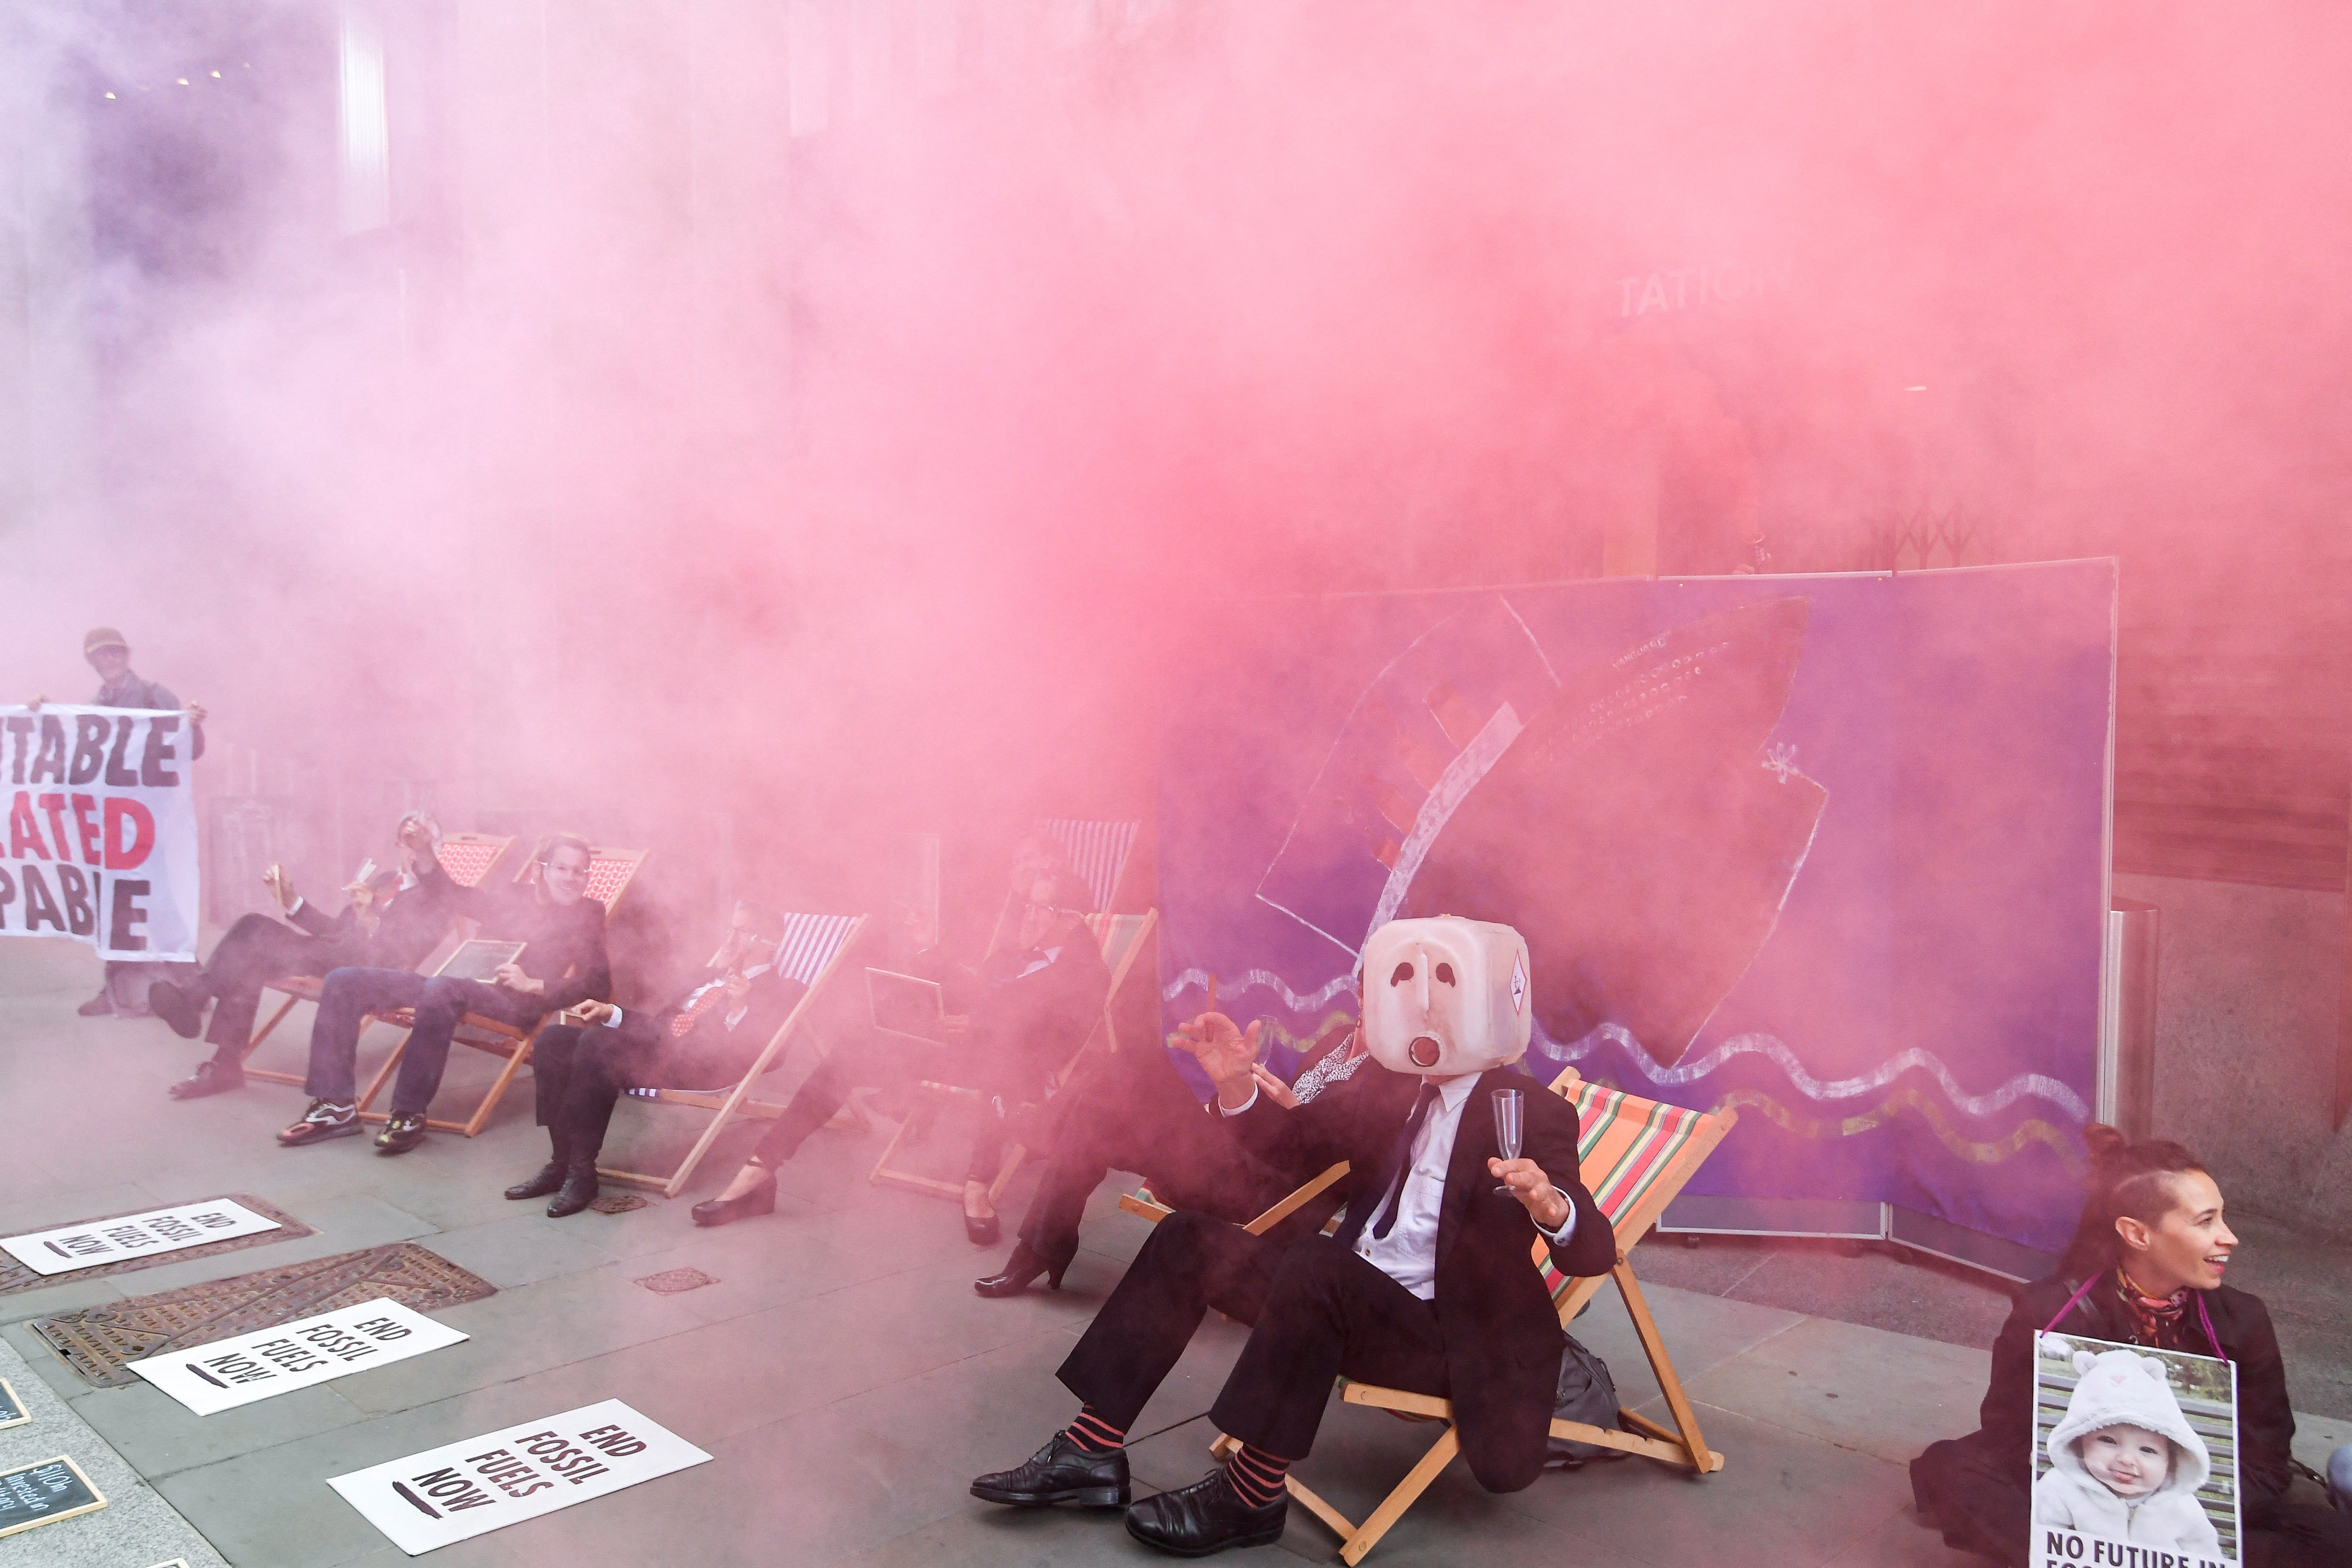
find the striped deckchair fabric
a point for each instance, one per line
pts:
(1098, 852)
(1625, 1145)
(1635, 1155)
(813, 951)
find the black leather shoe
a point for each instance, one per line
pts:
(210, 1078)
(982, 1231)
(1061, 1471)
(98, 1006)
(1207, 1516)
(578, 1190)
(180, 1009)
(1019, 1269)
(759, 1200)
(550, 1178)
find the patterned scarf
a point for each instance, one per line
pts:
(2156, 1320)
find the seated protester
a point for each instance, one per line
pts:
(1426, 1286)
(562, 962)
(2145, 1268)
(1026, 1011)
(1132, 1113)
(707, 1038)
(392, 920)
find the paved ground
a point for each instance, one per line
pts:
(848, 1381)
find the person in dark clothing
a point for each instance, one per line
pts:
(392, 920)
(1022, 1015)
(562, 962)
(124, 994)
(707, 1038)
(1427, 1286)
(1132, 1113)
(2144, 1268)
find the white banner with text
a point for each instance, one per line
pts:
(229, 1372)
(101, 833)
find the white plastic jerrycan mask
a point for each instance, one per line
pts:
(1445, 996)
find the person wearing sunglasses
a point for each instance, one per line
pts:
(562, 964)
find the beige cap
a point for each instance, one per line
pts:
(102, 637)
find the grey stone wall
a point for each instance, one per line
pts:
(2245, 1054)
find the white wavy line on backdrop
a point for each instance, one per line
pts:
(1887, 1072)
(1267, 978)
(2025, 1083)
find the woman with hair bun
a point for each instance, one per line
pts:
(2144, 1268)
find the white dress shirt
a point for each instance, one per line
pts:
(1408, 1254)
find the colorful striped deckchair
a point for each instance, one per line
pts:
(610, 873)
(468, 858)
(1124, 939)
(1635, 1155)
(1098, 852)
(813, 951)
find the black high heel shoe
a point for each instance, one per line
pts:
(981, 1232)
(1019, 1270)
(759, 1200)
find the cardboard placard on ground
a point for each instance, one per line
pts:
(43, 1493)
(466, 1489)
(72, 1247)
(229, 1372)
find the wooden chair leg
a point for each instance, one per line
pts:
(1408, 1490)
(270, 1075)
(264, 1033)
(1703, 1459)
(1013, 1155)
(515, 1061)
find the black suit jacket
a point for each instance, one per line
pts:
(1502, 1336)
(412, 923)
(712, 1048)
(2265, 1419)
(563, 943)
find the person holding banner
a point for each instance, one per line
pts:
(122, 993)
(392, 919)
(562, 964)
(708, 1037)
(2144, 1268)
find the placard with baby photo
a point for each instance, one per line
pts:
(2135, 1457)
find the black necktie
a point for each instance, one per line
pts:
(1392, 1175)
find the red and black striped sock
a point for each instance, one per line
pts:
(1256, 1474)
(1094, 1433)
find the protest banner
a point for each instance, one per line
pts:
(102, 830)
(229, 1372)
(72, 1247)
(2135, 1457)
(466, 1489)
(43, 1493)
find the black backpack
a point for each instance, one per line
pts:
(1586, 1394)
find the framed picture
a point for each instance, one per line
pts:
(2134, 1456)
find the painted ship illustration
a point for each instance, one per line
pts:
(1623, 815)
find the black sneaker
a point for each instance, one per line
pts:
(323, 1120)
(402, 1133)
(212, 1076)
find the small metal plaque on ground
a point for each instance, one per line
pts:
(99, 1342)
(671, 1281)
(15, 1276)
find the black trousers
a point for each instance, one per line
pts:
(1318, 1312)
(254, 952)
(1979, 1499)
(351, 995)
(580, 1074)
(1131, 1113)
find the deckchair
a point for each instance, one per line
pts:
(1098, 852)
(467, 858)
(813, 951)
(1635, 1154)
(1123, 939)
(610, 873)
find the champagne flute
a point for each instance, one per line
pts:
(1510, 1112)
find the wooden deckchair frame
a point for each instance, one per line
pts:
(737, 1100)
(1104, 927)
(495, 1035)
(1681, 1445)
(307, 987)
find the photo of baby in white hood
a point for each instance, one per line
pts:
(2124, 1461)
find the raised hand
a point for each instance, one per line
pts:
(1228, 1054)
(1545, 1204)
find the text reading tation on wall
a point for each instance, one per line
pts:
(101, 835)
